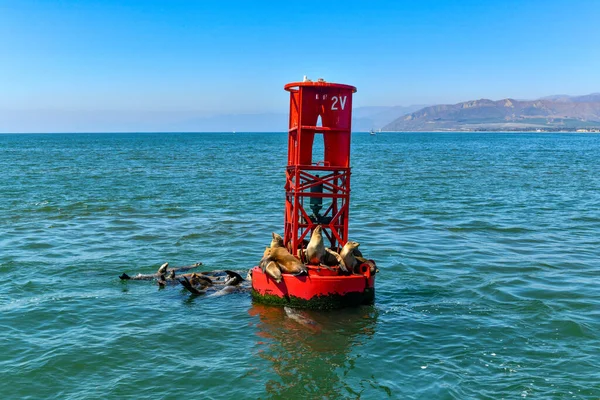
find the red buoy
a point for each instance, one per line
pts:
(317, 193)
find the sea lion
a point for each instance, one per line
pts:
(277, 240)
(347, 255)
(172, 274)
(149, 277)
(163, 268)
(316, 248)
(191, 288)
(233, 278)
(299, 318)
(266, 252)
(197, 279)
(272, 270)
(332, 258)
(161, 281)
(286, 262)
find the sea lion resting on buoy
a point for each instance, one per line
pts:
(277, 240)
(272, 270)
(316, 248)
(284, 260)
(348, 256)
(317, 254)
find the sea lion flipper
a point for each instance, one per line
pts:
(326, 267)
(124, 277)
(188, 286)
(303, 271)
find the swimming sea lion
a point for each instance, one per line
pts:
(316, 248)
(286, 262)
(277, 240)
(233, 278)
(298, 317)
(347, 255)
(191, 288)
(149, 277)
(196, 280)
(163, 268)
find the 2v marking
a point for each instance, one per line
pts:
(335, 100)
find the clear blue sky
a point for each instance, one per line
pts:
(235, 56)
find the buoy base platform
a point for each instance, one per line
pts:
(320, 289)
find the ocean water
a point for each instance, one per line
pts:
(488, 246)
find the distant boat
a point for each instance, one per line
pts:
(372, 132)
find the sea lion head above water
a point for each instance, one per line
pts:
(163, 268)
(233, 278)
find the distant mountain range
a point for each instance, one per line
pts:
(552, 113)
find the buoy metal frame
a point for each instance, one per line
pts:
(312, 186)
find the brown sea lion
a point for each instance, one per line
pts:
(197, 279)
(316, 248)
(286, 262)
(332, 258)
(266, 252)
(277, 240)
(348, 256)
(172, 274)
(272, 270)
(161, 281)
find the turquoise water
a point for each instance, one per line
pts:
(488, 246)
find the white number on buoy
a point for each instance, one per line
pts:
(334, 102)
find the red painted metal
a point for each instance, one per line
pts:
(327, 179)
(318, 282)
